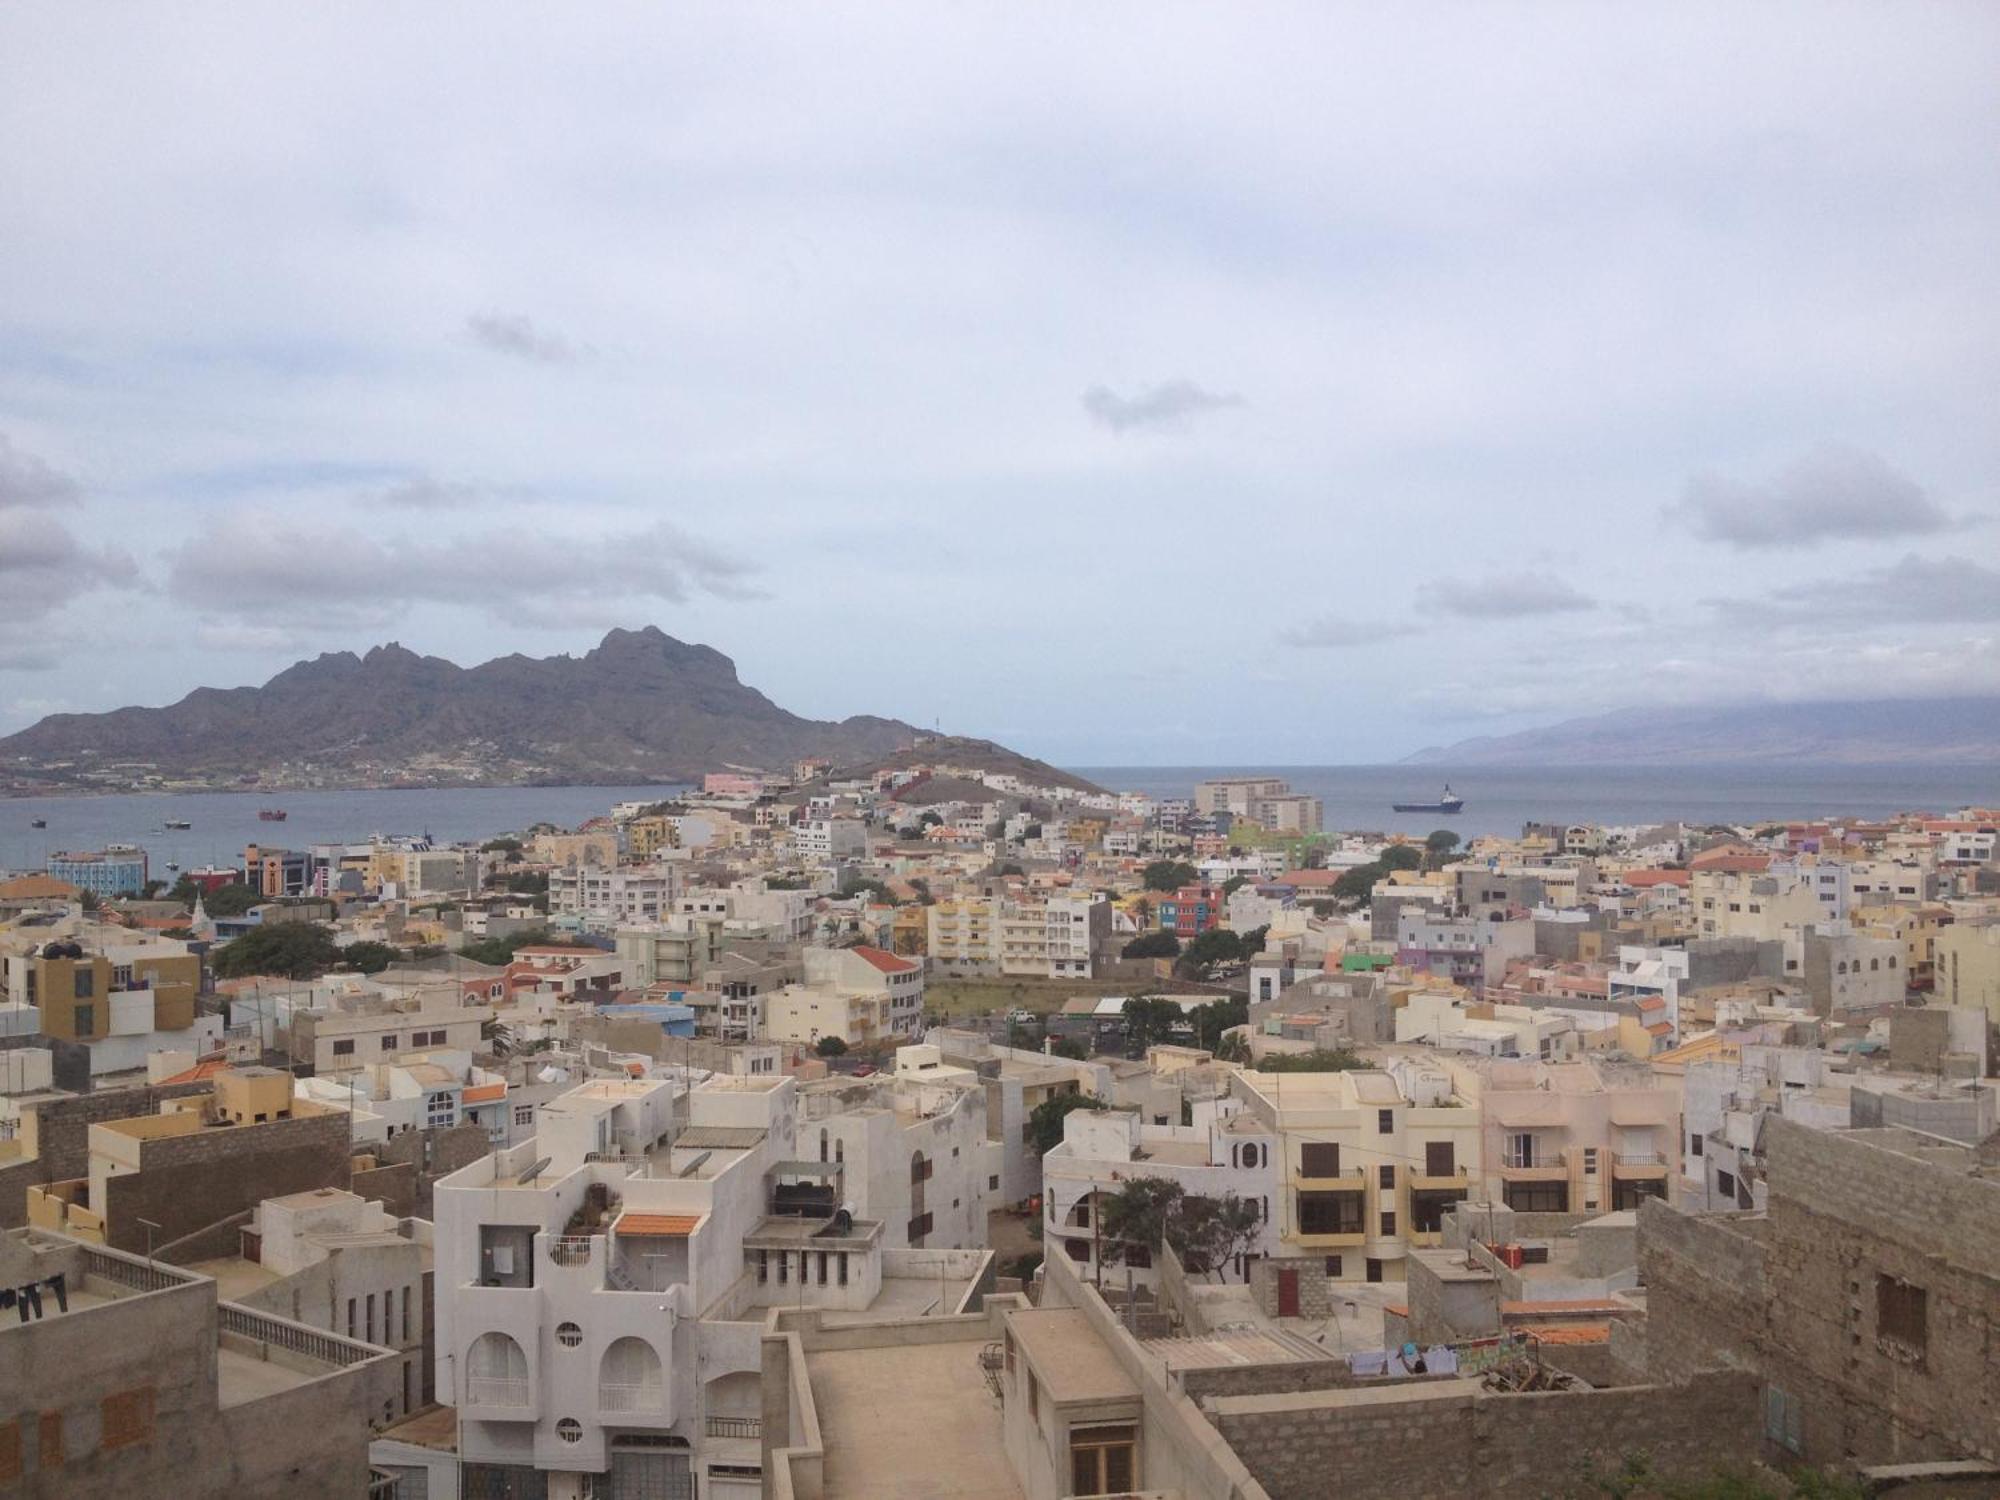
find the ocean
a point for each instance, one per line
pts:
(1497, 800)
(1500, 799)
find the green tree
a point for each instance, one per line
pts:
(1402, 857)
(1253, 940)
(231, 900)
(931, 820)
(1216, 946)
(1168, 875)
(293, 950)
(1441, 841)
(1207, 1233)
(507, 846)
(499, 951)
(1152, 945)
(831, 1046)
(1068, 1046)
(1216, 1017)
(1045, 1120)
(1135, 1217)
(1234, 884)
(859, 885)
(1357, 883)
(1319, 1060)
(370, 958)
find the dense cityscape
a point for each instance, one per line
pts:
(1091, 1142)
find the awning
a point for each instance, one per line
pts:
(660, 1226)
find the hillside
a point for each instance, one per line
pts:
(965, 754)
(1933, 731)
(640, 708)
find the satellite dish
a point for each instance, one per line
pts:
(535, 1168)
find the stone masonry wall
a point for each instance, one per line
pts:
(63, 1139)
(1441, 1447)
(188, 1182)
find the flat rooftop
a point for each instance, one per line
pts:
(1072, 1362)
(910, 1422)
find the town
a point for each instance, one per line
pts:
(832, 1133)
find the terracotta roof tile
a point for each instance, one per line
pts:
(668, 1226)
(888, 963)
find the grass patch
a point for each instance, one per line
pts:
(958, 998)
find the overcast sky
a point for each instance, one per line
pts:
(1132, 384)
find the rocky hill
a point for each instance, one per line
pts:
(1919, 731)
(640, 708)
(963, 755)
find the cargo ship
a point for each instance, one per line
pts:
(1450, 802)
(271, 815)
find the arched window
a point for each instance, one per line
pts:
(1841, 967)
(496, 1372)
(629, 1377)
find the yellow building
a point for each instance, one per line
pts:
(1915, 927)
(1371, 1162)
(644, 837)
(1968, 966)
(73, 983)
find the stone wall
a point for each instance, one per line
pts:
(1451, 1439)
(61, 1138)
(186, 1183)
(1795, 1296)
(1315, 1292)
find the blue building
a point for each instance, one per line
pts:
(119, 870)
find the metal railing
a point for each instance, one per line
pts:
(1529, 1159)
(495, 1390)
(571, 1250)
(736, 1427)
(620, 1397)
(383, 1485)
(283, 1333)
(1639, 1159)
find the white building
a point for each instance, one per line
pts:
(827, 839)
(860, 995)
(603, 898)
(602, 1288)
(916, 1154)
(1227, 1151)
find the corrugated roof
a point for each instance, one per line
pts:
(665, 1226)
(719, 1137)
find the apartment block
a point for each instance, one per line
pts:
(914, 1152)
(602, 898)
(350, 1032)
(1369, 1162)
(1571, 1137)
(117, 870)
(860, 995)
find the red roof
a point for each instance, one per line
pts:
(888, 963)
(1738, 863)
(202, 1071)
(1642, 879)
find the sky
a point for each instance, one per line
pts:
(1130, 383)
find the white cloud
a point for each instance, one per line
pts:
(1170, 406)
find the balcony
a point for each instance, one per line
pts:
(1543, 1164)
(496, 1391)
(1424, 1181)
(736, 1427)
(1638, 1164)
(623, 1400)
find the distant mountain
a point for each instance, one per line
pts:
(1931, 731)
(641, 708)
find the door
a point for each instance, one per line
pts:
(1288, 1294)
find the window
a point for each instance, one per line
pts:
(1319, 1159)
(1333, 1265)
(351, 1325)
(406, 1313)
(1034, 1397)
(993, 1183)
(389, 1043)
(1103, 1460)
(85, 984)
(126, 1418)
(762, 1260)
(344, 1049)
(86, 1019)
(1439, 1159)
(569, 1335)
(1537, 1197)
(1784, 1419)
(1388, 1225)
(1329, 1213)
(370, 1325)
(1694, 1145)
(1901, 1310)
(1385, 1178)
(1385, 1121)
(524, 1114)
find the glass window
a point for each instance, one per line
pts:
(1103, 1460)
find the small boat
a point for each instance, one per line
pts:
(171, 865)
(271, 815)
(1450, 802)
(38, 823)
(180, 824)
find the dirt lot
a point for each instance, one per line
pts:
(956, 998)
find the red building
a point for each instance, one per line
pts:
(1191, 911)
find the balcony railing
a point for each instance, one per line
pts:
(571, 1250)
(616, 1397)
(736, 1427)
(1530, 1160)
(1640, 1159)
(495, 1390)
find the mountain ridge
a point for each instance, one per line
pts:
(638, 708)
(1876, 731)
